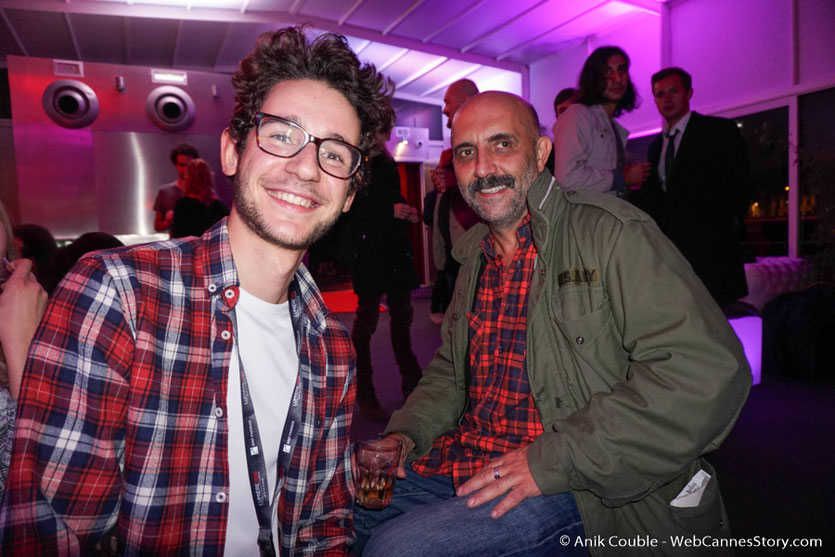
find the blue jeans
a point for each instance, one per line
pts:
(426, 518)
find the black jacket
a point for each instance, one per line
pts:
(380, 248)
(704, 207)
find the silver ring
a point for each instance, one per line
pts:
(496, 474)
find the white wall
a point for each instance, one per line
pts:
(550, 75)
(816, 40)
(734, 50)
(743, 50)
(640, 38)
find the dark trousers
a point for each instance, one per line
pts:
(368, 315)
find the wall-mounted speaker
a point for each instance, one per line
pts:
(170, 108)
(70, 103)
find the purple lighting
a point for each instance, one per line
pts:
(750, 332)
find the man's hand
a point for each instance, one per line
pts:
(438, 176)
(635, 174)
(514, 475)
(22, 304)
(405, 211)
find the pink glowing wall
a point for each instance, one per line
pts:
(738, 52)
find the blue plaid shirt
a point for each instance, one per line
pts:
(122, 415)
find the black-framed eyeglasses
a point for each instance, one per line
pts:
(286, 139)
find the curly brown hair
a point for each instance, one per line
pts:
(287, 54)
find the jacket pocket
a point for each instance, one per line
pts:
(594, 341)
(708, 517)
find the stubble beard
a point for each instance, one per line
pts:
(255, 221)
(517, 204)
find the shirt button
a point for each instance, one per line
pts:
(225, 335)
(212, 288)
(220, 497)
(580, 340)
(542, 271)
(229, 293)
(218, 412)
(455, 315)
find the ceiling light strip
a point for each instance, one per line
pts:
(651, 6)
(446, 83)
(72, 36)
(454, 20)
(297, 5)
(177, 36)
(403, 16)
(507, 53)
(13, 32)
(222, 43)
(350, 12)
(422, 72)
(495, 30)
(365, 45)
(394, 59)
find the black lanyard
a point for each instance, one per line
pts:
(255, 462)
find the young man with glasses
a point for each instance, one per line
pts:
(195, 396)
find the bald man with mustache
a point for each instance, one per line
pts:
(584, 372)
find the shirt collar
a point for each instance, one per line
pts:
(681, 125)
(221, 278)
(523, 235)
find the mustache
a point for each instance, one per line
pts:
(488, 182)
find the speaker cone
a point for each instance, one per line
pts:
(170, 108)
(70, 103)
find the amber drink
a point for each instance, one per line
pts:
(375, 472)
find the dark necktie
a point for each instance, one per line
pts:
(669, 157)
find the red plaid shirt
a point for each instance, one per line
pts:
(502, 415)
(122, 417)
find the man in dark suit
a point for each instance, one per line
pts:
(698, 185)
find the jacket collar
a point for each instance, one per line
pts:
(543, 194)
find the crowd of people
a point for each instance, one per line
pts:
(196, 396)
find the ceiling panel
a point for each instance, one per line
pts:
(379, 15)
(333, 10)
(424, 45)
(380, 54)
(92, 31)
(8, 43)
(151, 41)
(489, 16)
(412, 66)
(430, 16)
(33, 27)
(440, 78)
(541, 19)
(592, 22)
(199, 43)
(238, 43)
(271, 5)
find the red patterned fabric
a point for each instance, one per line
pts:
(501, 416)
(122, 416)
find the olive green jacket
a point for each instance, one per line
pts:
(634, 369)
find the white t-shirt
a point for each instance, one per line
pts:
(268, 351)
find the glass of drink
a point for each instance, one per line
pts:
(377, 462)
